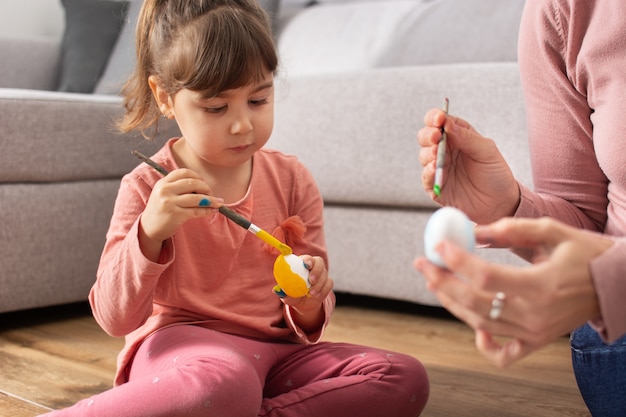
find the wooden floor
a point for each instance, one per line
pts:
(53, 357)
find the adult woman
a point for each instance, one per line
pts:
(571, 56)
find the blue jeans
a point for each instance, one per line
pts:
(600, 371)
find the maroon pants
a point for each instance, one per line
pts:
(191, 371)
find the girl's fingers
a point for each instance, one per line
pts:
(321, 283)
(185, 181)
(200, 201)
(188, 190)
(320, 290)
(189, 186)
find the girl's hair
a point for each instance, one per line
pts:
(201, 45)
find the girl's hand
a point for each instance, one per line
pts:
(476, 178)
(308, 311)
(542, 302)
(176, 198)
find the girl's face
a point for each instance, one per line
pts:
(226, 130)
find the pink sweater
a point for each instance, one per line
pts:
(572, 56)
(212, 272)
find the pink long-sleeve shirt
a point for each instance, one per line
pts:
(211, 272)
(572, 56)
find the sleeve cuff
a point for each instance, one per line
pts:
(328, 306)
(166, 257)
(608, 272)
(526, 207)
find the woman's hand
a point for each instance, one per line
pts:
(476, 177)
(176, 198)
(543, 301)
(308, 311)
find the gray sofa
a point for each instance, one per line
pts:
(355, 82)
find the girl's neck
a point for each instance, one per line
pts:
(230, 183)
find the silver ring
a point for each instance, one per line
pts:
(496, 306)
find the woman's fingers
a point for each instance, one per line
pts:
(502, 354)
(471, 304)
(488, 276)
(522, 233)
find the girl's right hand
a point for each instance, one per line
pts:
(180, 196)
(476, 178)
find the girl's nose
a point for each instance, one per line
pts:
(241, 124)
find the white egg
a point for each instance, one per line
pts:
(448, 223)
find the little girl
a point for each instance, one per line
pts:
(192, 291)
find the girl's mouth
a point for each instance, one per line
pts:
(239, 148)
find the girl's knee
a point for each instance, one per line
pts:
(409, 381)
(400, 379)
(228, 388)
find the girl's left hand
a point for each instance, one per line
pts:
(542, 301)
(308, 310)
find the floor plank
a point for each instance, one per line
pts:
(52, 358)
(463, 382)
(17, 407)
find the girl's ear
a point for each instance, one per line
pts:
(161, 96)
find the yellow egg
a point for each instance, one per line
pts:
(291, 275)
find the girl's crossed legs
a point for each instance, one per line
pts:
(188, 370)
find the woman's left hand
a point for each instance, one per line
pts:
(541, 302)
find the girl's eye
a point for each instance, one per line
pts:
(215, 109)
(259, 102)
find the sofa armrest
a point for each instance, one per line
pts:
(52, 136)
(29, 62)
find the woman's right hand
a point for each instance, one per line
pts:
(180, 196)
(476, 178)
(542, 301)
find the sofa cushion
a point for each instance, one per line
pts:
(340, 37)
(455, 31)
(386, 33)
(122, 60)
(91, 29)
(356, 131)
(29, 62)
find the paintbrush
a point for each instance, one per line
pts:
(235, 217)
(441, 155)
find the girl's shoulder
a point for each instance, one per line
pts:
(272, 158)
(276, 156)
(285, 167)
